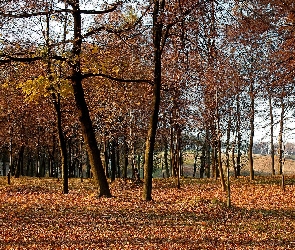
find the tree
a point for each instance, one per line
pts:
(76, 76)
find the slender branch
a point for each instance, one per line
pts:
(116, 31)
(40, 13)
(9, 59)
(44, 13)
(87, 75)
(100, 12)
(166, 35)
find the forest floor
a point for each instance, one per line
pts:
(34, 214)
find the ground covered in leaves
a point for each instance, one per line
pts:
(34, 214)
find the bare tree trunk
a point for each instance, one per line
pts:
(150, 142)
(221, 174)
(178, 155)
(218, 137)
(106, 157)
(20, 161)
(172, 155)
(251, 141)
(234, 161)
(113, 160)
(272, 148)
(81, 105)
(125, 164)
(62, 144)
(57, 106)
(280, 139)
(239, 136)
(227, 159)
(203, 162)
(166, 160)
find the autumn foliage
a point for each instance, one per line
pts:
(34, 214)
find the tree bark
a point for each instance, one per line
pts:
(153, 123)
(62, 144)
(251, 141)
(125, 165)
(166, 159)
(83, 111)
(280, 139)
(113, 160)
(272, 147)
(106, 156)
(239, 136)
(20, 161)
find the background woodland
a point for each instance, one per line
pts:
(106, 89)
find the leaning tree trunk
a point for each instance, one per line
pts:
(81, 105)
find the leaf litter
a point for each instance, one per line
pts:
(34, 214)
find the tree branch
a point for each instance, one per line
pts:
(9, 59)
(87, 75)
(116, 31)
(40, 13)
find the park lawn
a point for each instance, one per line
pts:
(34, 214)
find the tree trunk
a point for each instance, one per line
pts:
(178, 155)
(203, 161)
(106, 157)
(125, 165)
(20, 161)
(221, 174)
(239, 137)
(118, 171)
(280, 139)
(172, 155)
(234, 161)
(83, 111)
(215, 172)
(153, 123)
(251, 141)
(113, 160)
(227, 159)
(166, 160)
(62, 144)
(272, 147)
